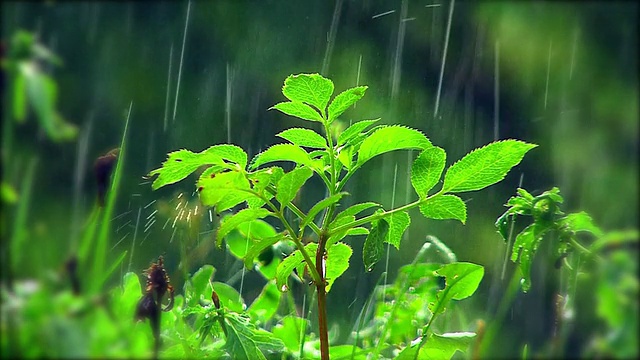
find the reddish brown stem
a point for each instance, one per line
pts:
(322, 298)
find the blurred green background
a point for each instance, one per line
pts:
(561, 75)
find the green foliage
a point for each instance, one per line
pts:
(227, 182)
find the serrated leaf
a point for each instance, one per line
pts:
(354, 130)
(427, 169)
(461, 279)
(291, 183)
(286, 267)
(372, 250)
(244, 215)
(180, 164)
(485, 166)
(245, 341)
(224, 190)
(304, 137)
(239, 241)
(312, 89)
(282, 152)
(258, 247)
(437, 346)
(391, 138)
(444, 207)
(581, 222)
(323, 204)
(355, 209)
(229, 297)
(398, 223)
(299, 110)
(344, 100)
(337, 261)
(525, 248)
(266, 304)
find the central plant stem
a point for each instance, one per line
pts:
(322, 298)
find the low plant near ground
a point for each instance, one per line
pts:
(230, 180)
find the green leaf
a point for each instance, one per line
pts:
(290, 183)
(289, 331)
(198, 286)
(323, 204)
(372, 250)
(398, 223)
(286, 267)
(354, 130)
(266, 304)
(344, 352)
(485, 166)
(258, 247)
(462, 280)
(438, 346)
(245, 341)
(355, 209)
(581, 222)
(391, 138)
(304, 137)
(224, 190)
(312, 89)
(427, 169)
(444, 207)
(246, 234)
(337, 261)
(282, 152)
(19, 97)
(344, 100)
(528, 241)
(244, 215)
(229, 297)
(299, 110)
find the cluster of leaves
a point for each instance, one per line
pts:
(548, 218)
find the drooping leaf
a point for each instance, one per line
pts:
(318, 207)
(438, 346)
(525, 246)
(485, 166)
(312, 89)
(427, 169)
(391, 138)
(258, 246)
(245, 341)
(230, 223)
(266, 304)
(299, 110)
(398, 224)
(372, 249)
(355, 129)
(282, 152)
(304, 137)
(445, 207)
(291, 183)
(581, 222)
(344, 100)
(462, 280)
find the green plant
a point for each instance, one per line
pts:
(231, 180)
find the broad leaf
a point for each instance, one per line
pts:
(391, 138)
(398, 223)
(344, 100)
(230, 153)
(528, 241)
(318, 207)
(299, 110)
(372, 250)
(337, 261)
(229, 297)
(462, 280)
(304, 137)
(258, 246)
(224, 190)
(437, 346)
(245, 341)
(289, 331)
(581, 222)
(266, 304)
(444, 207)
(198, 286)
(286, 267)
(244, 215)
(485, 166)
(245, 234)
(356, 209)
(312, 89)
(427, 169)
(180, 164)
(355, 129)
(290, 183)
(282, 152)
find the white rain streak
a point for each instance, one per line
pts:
(496, 92)
(79, 175)
(444, 57)
(121, 215)
(173, 234)
(166, 100)
(133, 243)
(332, 37)
(358, 76)
(184, 40)
(509, 238)
(432, 5)
(383, 14)
(574, 47)
(397, 63)
(151, 203)
(546, 87)
(122, 226)
(393, 204)
(153, 213)
(121, 240)
(166, 223)
(227, 103)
